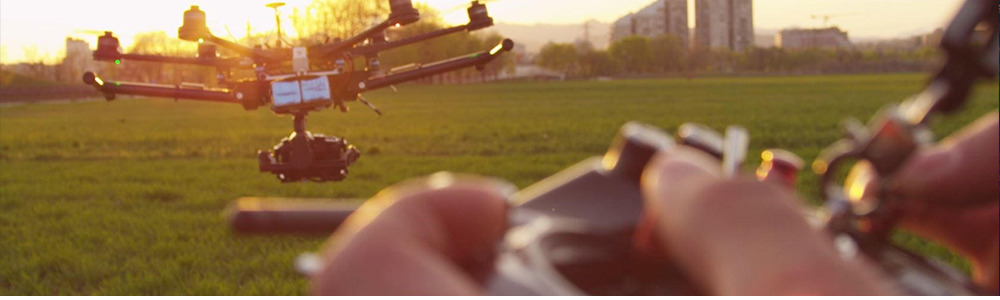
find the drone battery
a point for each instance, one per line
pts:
(315, 90)
(286, 93)
(301, 93)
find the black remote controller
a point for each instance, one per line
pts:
(574, 233)
(571, 234)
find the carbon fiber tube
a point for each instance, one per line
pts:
(157, 90)
(225, 63)
(406, 41)
(440, 67)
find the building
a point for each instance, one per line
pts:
(932, 39)
(660, 17)
(75, 47)
(77, 60)
(825, 38)
(725, 24)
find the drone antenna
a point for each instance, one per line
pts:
(369, 104)
(231, 36)
(277, 18)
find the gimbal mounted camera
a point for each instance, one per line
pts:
(298, 80)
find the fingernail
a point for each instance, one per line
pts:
(440, 180)
(443, 180)
(696, 159)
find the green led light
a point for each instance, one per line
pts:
(118, 61)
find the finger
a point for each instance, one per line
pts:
(962, 169)
(964, 229)
(971, 232)
(744, 237)
(951, 191)
(418, 239)
(646, 238)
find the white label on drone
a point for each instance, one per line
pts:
(286, 93)
(299, 52)
(300, 60)
(315, 89)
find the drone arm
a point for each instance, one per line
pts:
(476, 59)
(211, 62)
(330, 49)
(371, 49)
(244, 51)
(255, 54)
(110, 89)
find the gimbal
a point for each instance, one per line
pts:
(298, 80)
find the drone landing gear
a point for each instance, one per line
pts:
(303, 156)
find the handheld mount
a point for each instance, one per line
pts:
(298, 80)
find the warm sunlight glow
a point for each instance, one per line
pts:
(51, 21)
(496, 49)
(126, 18)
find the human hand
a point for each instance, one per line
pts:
(950, 195)
(743, 237)
(433, 236)
(737, 237)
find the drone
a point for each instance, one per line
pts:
(298, 80)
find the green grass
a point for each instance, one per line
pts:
(125, 197)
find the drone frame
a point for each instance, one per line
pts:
(301, 156)
(253, 93)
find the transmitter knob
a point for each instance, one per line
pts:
(634, 148)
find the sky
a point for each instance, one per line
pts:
(43, 25)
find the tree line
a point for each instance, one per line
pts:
(667, 54)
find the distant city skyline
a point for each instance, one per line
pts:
(44, 24)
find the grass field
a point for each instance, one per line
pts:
(125, 197)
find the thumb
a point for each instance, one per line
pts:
(743, 237)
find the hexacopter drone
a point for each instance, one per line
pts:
(299, 80)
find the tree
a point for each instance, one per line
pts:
(598, 63)
(668, 53)
(559, 57)
(634, 53)
(35, 63)
(325, 20)
(160, 43)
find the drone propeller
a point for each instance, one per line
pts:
(230, 33)
(90, 31)
(466, 6)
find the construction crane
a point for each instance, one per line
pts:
(826, 18)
